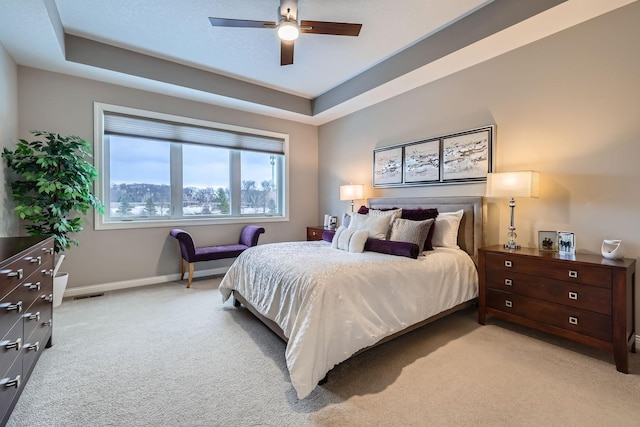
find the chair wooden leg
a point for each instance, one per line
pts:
(190, 274)
(184, 268)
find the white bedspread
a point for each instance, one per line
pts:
(332, 303)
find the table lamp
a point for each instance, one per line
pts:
(352, 192)
(512, 185)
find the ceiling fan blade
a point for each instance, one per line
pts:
(241, 23)
(333, 28)
(286, 52)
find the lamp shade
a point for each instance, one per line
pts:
(352, 192)
(513, 184)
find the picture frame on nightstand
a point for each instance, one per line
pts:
(548, 241)
(566, 243)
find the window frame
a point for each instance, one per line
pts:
(101, 156)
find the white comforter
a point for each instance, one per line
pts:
(332, 303)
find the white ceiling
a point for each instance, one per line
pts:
(180, 32)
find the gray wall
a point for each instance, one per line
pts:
(8, 137)
(64, 104)
(567, 106)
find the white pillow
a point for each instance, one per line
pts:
(378, 226)
(349, 240)
(445, 233)
(395, 213)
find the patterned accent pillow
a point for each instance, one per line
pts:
(405, 230)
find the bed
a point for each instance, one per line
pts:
(329, 305)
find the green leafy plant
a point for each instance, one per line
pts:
(53, 185)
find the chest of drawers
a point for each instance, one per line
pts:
(585, 298)
(26, 312)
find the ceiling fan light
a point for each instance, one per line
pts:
(288, 30)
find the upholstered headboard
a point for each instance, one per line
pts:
(471, 231)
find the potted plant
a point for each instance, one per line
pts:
(53, 185)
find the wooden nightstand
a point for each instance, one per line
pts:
(585, 298)
(315, 233)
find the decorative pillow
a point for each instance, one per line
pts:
(405, 230)
(420, 214)
(406, 249)
(377, 226)
(327, 235)
(446, 229)
(346, 219)
(350, 240)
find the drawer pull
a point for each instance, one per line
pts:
(17, 344)
(17, 307)
(19, 273)
(573, 295)
(48, 272)
(30, 347)
(48, 251)
(48, 298)
(573, 274)
(8, 382)
(508, 263)
(508, 282)
(47, 323)
(35, 260)
(573, 320)
(33, 286)
(35, 316)
(508, 303)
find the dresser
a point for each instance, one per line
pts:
(582, 297)
(26, 312)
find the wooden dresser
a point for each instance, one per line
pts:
(582, 297)
(26, 312)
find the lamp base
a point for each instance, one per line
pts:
(512, 245)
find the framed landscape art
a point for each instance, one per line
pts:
(461, 157)
(387, 166)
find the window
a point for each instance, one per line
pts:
(158, 170)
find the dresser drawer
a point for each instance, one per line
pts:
(573, 272)
(11, 345)
(13, 273)
(10, 383)
(572, 294)
(38, 317)
(572, 319)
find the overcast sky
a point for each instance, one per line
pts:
(147, 162)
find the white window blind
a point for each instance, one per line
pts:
(141, 127)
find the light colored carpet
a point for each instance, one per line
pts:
(164, 355)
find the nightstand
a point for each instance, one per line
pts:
(315, 233)
(582, 297)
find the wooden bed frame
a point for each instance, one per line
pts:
(470, 238)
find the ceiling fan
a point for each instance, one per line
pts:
(288, 28)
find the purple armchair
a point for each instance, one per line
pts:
(192, 254)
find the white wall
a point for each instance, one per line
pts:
(8, 137)
(64, 104)
(567, 106)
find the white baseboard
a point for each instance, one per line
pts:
(125, 284)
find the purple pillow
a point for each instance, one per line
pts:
(327, 235)
(406, 249)
(365, 210)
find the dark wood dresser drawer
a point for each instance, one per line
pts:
(572, 319)
(572, 272)
(572, 294)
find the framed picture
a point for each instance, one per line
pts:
(422, 161)
(451, 159)
(548, 241)
(566, 242)
(467, 156)
(387, 166)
